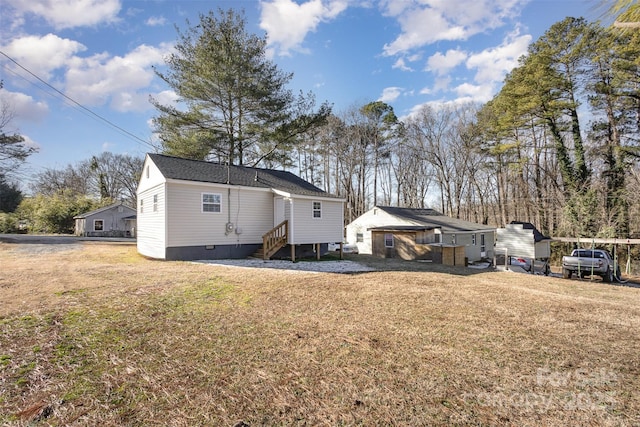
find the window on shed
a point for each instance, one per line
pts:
(141, 205)
(453, 239)
(147, 171)
(482, 245)
(98, 225)
(359, 237)
(473, 239)
(211, 202)
(317, 210)
(388, 240)
(155, 203)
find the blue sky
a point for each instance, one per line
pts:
(100, 54)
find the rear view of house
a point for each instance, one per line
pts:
(189, 209)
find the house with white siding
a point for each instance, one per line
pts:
(393, 232)
(190, 209)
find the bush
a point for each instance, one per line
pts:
(54, 214)
(9, 223)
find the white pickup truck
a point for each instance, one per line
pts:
(590, 262)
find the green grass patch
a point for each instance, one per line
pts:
(5, 359)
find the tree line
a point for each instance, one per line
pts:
(556, 146)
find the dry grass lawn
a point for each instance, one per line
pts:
(94, 334)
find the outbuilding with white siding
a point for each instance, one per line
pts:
(190, 209)
(522, 239)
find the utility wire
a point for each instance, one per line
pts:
(76, 103)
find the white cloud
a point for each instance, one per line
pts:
(156, 21)
(63, 14)
(401, 65)
(492, 64)
(479, 93)
(421, 27)
(287, 22)
(428, 21)
(107, 146)
(167, 97)
(117, 80)
(442, 84)
(390, 94)
(23, 108)
(442, 64)
(28, 51)
(437, 105)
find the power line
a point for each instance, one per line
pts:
(82, 107)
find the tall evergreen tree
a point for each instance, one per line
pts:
(234, 106)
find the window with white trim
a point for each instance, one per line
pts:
(141, 205)
(473, 239)
(482, 245)
(98, 225)
(359, 237)
(388, 240)
(155, 203)
(317, 209)
(211, 202)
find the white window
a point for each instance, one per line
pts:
(482, 246)
(147, 171)
(453, 239)
(359, 237)
(317, 210)
(473, 239)
(155, 203)
(141, 205)
(388, 240)
(211, 202)
(98, 225)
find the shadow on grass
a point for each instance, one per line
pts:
(392, 264)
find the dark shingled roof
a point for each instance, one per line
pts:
(201, 171)
(537, 235)
(431, 218)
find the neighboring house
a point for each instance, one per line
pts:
(189, 209)
(407, 233)
(522, 239)
(115, 220)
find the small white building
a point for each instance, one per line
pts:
(412, 234)
(522, 239)
(189, 209)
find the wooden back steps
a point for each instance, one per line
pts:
(273, 241)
